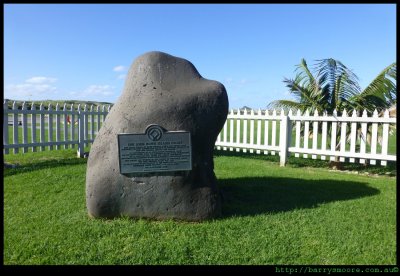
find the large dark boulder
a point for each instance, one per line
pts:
(168, 91)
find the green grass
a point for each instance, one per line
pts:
(271, 215)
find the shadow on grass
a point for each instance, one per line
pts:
(259, 195)
(45, 164)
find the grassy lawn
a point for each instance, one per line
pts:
(299, 214)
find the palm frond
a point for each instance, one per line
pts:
(296, 94)
(339, 81)
(381, 92)
(303, 93)
(309, 80)
(288, 104)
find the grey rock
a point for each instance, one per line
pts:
(168, 91)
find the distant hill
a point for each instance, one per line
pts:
(246, 108)
(54, 103)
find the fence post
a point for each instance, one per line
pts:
(58, 129)
(85, 124)
(284, 138)
(65, 121)
(385, 137)
(50, 125)
(273, 138)
(81, 139)
(363, 141)
(5, 126)
(343, 136)
(374, 137)
(289, 132)
(42, 126)
(33, 126)
(24, 126)
(15, 125)
(72, 125)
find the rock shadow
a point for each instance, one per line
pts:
(250, 196)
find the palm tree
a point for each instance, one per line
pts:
(334, 87)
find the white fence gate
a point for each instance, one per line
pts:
(72, 124)
(273, 133)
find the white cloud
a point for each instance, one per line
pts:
(101, 90)
(41, 80)
(94, 92)
(238, 82)
(119, 68)
(229, 80)
(33, 88)
(41, 88)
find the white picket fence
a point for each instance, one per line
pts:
(262, 131)
(73, 124)
(273, 133)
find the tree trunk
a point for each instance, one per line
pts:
(336, 165)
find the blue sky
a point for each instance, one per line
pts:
(82, 52)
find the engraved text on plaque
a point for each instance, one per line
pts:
(155, 151)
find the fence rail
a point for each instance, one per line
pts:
(342, 138)
(356, 138)
(28, 127)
